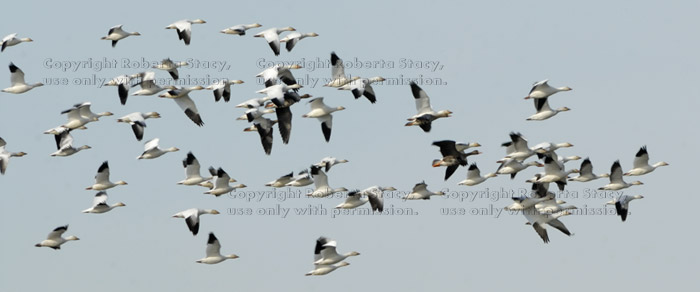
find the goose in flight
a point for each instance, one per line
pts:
(192, 173)
(474, 176)
(328, 253)
(554, 173)
(539, 221)
(518, 148)
(192, 217)
(294, 37)
(5, 156)
(171, 67)
(148, 84)
(272, 36)
(281, 181)
(622, 204)
(137, 121)
(323, 269)
(513, 166)
(544, 111)
(253, 103)
(254, 113)
(616, 181)
(354, 199)
(223, 89)
(451, 157)
(182, 98)
(426, 115)
(641, 163)
(328, 162)
(375, 195)
(320, 180)
(151, 150)
(81, 114)
(284, 113)
(540, 194)
(362, 87)
(586, 172)
(420, 192)
(102, 179)
(99, 204)
(64, 143)
(17, 84)
(11, 40)
(213, 172)
(323, 113)
(239, 29)
(303, 178)
(264, 128)
(184, 29)
(279, 72)
(275, 93)
(338, 77)
(123, 84)
(116, 33)
(55, 239)
(542, 90)
(221, 184)
(213, 252)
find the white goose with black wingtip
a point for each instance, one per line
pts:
(137, 121)
(272, 36)
(543, 90)
(221, 183)
(171, 67)
(99, 204)
(354, 199)
(641, 163)
(192, 171)
(293, 38)
(17, 83)
(539, 221)
(474, 176)
(420, 192)
(222, 89)
(362, 87)
(323, 113)
(375, 195)
(321, 184)
(148, 84)
(183, 100)
(279, 72)
(213, 252)
(544, 111)
(5, 156)
(622, 205)
(239, 29)
(303, 178)
(123, 84)
(192, 217)
(426, 115)
(329, 255)
(338, 77)
(329, 161)
(320, 270)
(616, 181)
(102, 181)
(55, 239)
(116, 33)
(184, 29)
(64, 144)
(586, 172)
(11, 40)
(152, 151)
(281, 181)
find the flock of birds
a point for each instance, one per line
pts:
(281, 92)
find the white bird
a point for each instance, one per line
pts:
(184, 28)
(354, 199)
(171, 67)
(151, 150)
(182, 98)
(513, 166)
(323, 269)
(102, 179)
(328, 162)
(17, 84)
(213, 252)
(420, 192)
(554, 172)
(281, 181)
(192, 217)
(338, 77)
(272, 37)
(451, 157)
(519, 150)
(99, 204)
(223, 89)
(148, 84)
(586, 172)
(264, 128)
(137, 120)
(323, 113)
(362, 87)
(616, 181)
(474, 176)
(64, 143)
(641, 163)
(321, 184)
(426, 115)
(539, 222)
(116, 33)
(294, 37)
(622, 204)
(328, 252)
(5, 156)
(239, 29)
(375, 195)
(221, 184)
(542, 90)
(55, 240)
(192, 173)
(277, 92)
(254, 113)
(85, 112)
(279, 72)
(544, 111)
(303, 178)
(11, 40)
(540, 194)
(253, 103)
(123, 84)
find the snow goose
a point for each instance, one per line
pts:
(213, 172)
(323, 113)
(279, 72)
(99, 204)
(86, 112)
(303, 178)
(544, 111)
(213, 252)
(375, 195)
(353, 200)
(182, 98)
(102, 179)
(223, 89)
(5, 156)
(553, 206)
(548, 147)
(55, 240)
(116, 33)
(474, 176)
(253, 103)
(362, 87)
(586, 172)
(284, 113)
(151, 150)
(277, 91)
(281, 181)
(171, 67)
(76, 119)
(192, 176)
(239, 29)
(325, 269)
(519, 150)
(264, 128)
(294, 37)
(426, 115)
(254, 113)
(554, 172)
(641, 163)
(338, 77)
(539, 194)
(253, 128)
(221, 184)
(184, 29)
(11, 40)
(64, 143)
(123, 84)
(17, 84)
(192, 217)
(451, 157)
(513, 166)
(137, 121)
(542, 90)
(420, 192)
(328, 162)
(616, 181)
(272, 37)
(321, 184)
(622, 204)
(148, 84)
(539, 222)
(329, 255)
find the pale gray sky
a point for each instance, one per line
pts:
(632, 67)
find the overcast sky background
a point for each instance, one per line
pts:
(633, 67)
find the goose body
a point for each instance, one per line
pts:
(192, 217)
(64, 143)
(321, 270)
(539, 221)
(622, 205)
(641, 163)
(281, 181)
(362, 87)
(543, 90)
(55, 240)
(239, 29)
(322, 112)
(151, 150)
(338, 77)
(426, 115)
(544, 111)
(192, 171)
(474, 176)
(17, 83)
(221, 184)
(123, 84)
(264, 128)
(451, 157)
(303, 178)
(586, 172)
(420, 192)
(102, 179)
(616, 181)
(116, 33)
(5, 156)
(328, 162)
(320, 180)
(512, 166)
(293, 38)
(184, 29)
(148, 84)
(279, 72)
(518, 148)
(171, 67)
(99, 204)
(183, 100)
(213, 252)
(223, 89)
(271, 35)
(328, 252)
(284, 113)
(11, 40)
(137, 121)
(353, 200)
(375, 196)
(554, 172)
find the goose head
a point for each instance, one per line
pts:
(72, 237)
(120, 204)
(340, 108)
(444, 114)
(231, 256)
(636, 183)
(84, 147)
(563, 109)
(658, 164)
(239, 186)
(26, 40)
(235, 81)
(288, 28)
(294, 66)
(121, 182)
(105, 114)
(171, 149)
